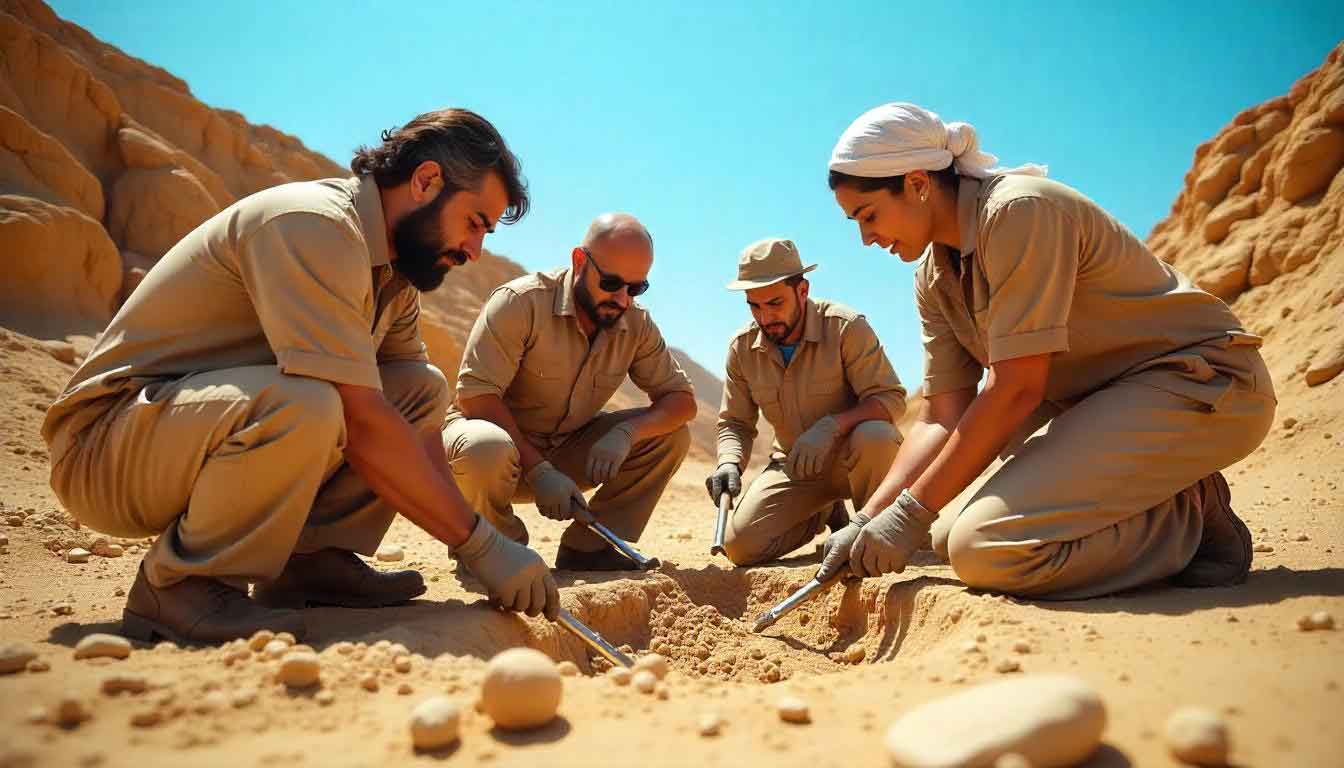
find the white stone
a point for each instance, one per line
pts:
(1197, 736)
(77, 555)
(521, 689)
(14, 656)
(1049, 720)
(620, 675)
(434, 723)
(709, 724)
(100, 645)
(299, 669)
(645, 681)
(390, 553)
(567, 669)
(655, 663)
(792, 709)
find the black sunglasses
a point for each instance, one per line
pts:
(613, 283)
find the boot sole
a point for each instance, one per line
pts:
(137, 627)
(300, 600)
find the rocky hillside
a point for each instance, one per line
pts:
(1259, 224)
(106, 161)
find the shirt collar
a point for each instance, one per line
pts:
(369, 208)
(968, 211)
(563, 305)
(813, 324)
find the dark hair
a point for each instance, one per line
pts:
(464, 144)
(794, 280)
(947, 177)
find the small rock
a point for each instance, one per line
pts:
(567, 669)
(855, 654)
(324, 698)
(390, 553)
(62, 609)
(108, 550)
(970, 646)
(260, 639)
(434, 723)
(244, 697)
(1007, 665)
(709, 724)
(36, 715)
(1022, 646)
(14, 656)
(620, 675)
(405, 689)
(1320, 620)
(655, 663)
(1197, 736)
(38, 665)
(521, 689)
(123, 683)
(100, 645)
(286, 638)
(1289, 423)
(146, 717)
(1302, 537)
(211, 702)
(1048, 720)
(369, 682)
(792, 709)
(402, 664)
(1263, 548)
(644, 681)
(275, 649)
(69, 712)
(299, 669)
(77, 555)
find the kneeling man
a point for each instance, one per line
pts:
(545, 354)
(818, 372)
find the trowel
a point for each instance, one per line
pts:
(807, 592)
(641, 562)
(593, 640)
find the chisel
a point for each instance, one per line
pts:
(721, 526)
(592, 639)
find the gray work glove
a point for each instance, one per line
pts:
(885, 544)
(807, 458)
(726, 479)
(835, 552)
(514, 576)
(608, 454)
(557, 496)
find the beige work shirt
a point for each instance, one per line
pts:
(296, 276)
(1044, 270)
(838, 362)
(526, 347)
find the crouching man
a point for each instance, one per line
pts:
(547, 352)
(818, 373)
(263, 402)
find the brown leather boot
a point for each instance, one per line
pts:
(1224, 554)
(337, 577)
(199, 610)
(570, 559)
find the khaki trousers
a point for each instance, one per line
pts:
(486, 467)
(775, 515)
(1103, 496)
(236, 469)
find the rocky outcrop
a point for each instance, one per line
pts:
(1258, 223)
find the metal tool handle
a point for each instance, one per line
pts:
(592, 639)
(787, 605)
(721, 526)
(617, 543)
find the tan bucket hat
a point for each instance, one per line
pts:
(766, 262)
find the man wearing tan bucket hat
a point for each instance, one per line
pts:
(818, 372)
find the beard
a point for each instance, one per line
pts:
(778, 332)
(418, 238)
(603, 314)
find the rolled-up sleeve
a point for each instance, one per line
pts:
(737, 414)
(495, 346)
(868, 370)
(654, 369)
(1030, 259)
(948, 366)
(309, 280)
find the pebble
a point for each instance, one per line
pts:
(69, 711)
(620, 675)
(369, 682)
(1320, 620)
(260, 639)
(286, 638)
(77, 555)
(244, 697)
(709, 724)
(434, 723)
(1022, 646)
(100, 645)
(1197, 736)
(645, 681)
(792, 709)
(970, 646)
(390, 553)
(14, 656)
(104, 548)
(123, 683)
(324, 698)
(521, 689)
(567, 669)
(655, 663)
(275, 649)
(1263, 548)
(62, 609)
(405, 689)
(402, 664)
(1007, 665)
(1046, 719)
(855, 654)
(38, 665)
(146, 718)
(299, 669)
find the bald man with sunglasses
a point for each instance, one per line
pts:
(527, 425)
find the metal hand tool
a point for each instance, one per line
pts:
(786, 606)
(617, 543)
(720, 527)
(592, 639)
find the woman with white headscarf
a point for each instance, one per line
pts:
(1116, 389)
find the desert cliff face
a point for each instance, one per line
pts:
(1259, 225)
(107, 161)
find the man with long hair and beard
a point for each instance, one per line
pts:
(817, 371)
(263, 402)
(547, 352)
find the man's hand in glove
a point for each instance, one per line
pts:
(808, 457)
(608, 454)
(726, 479)
(514, 576)
(885, 544)
(557, 496)
(835, 552)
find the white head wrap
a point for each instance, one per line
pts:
(894, 139)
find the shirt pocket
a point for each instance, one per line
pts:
(605, 384)
(540, 380)
(768, 400)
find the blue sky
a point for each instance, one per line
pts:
(713, 121)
